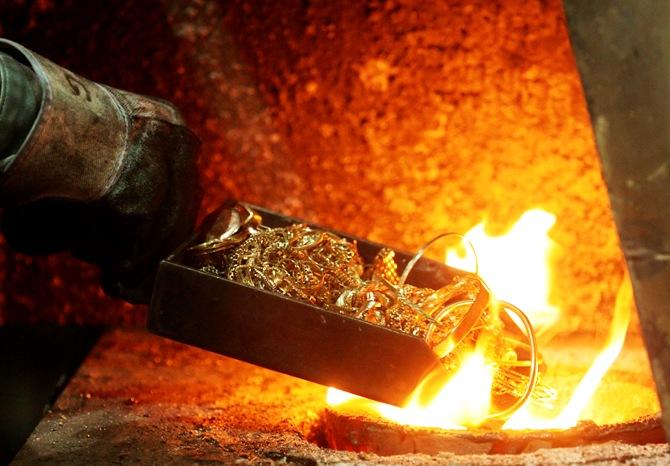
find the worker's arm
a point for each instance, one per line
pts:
(104, 173)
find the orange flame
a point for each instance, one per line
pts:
(464, 400)
(516, 266)
(570, 415)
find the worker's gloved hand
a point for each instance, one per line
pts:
(105, 173)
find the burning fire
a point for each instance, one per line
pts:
(525, 418)
(464, 401)
(516, 266)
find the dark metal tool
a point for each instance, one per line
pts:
(291, 336)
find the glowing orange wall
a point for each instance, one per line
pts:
(391, 120)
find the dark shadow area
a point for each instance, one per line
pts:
(36, 363)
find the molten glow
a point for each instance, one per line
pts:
(516, 265)
(463, 401)
(568, 417)
(336, 397)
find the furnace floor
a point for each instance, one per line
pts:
(142, 399)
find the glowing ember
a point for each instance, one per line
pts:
(516, 267)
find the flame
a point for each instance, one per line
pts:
(336, 397)
(516, 266)
(463, 401)
(570, 415)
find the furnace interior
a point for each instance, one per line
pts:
(391, 120)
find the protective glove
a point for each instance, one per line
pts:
(105, 173)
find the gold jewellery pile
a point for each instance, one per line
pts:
(326, 270)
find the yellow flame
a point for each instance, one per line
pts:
(463, 401)
(336, 397)
(570, 415)
(516, 265)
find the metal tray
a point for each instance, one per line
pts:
(290, 336)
